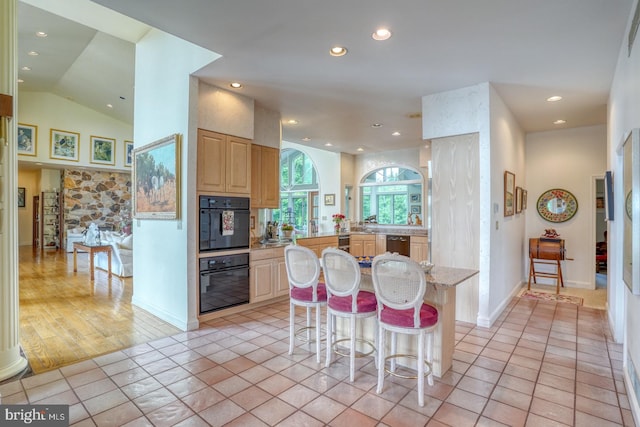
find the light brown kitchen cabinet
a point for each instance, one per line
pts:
(318, 244)
(362, 245)
(224, 163)
(265, 177)
(381, 244)
(268, 274)
(419, 248)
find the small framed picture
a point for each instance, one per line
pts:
(518, 199)
(103, 150)
(22, 197)
(329, 199)
(415, 198)
(509, 193)
(65, 145)
(128, 153)
(524, 199)
(27, 139)
(416, 209)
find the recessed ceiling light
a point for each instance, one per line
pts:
(554, 98)
(25, 68)
(20, 81)
(376, 125)
(41, 34)
(236, 85)
(110, 105)
(396, 133)
(559, 122)
(292, 122)
(306, 139)
(360, 149)
(338, 51)
(32, 53)
(328, 144)
(381, 34)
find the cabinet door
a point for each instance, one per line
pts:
(419, 248)
(381, 244)
(261, 281)
(356, 248)
(238, 165)
(281, 279)
(211, 161)
(256, 176)
(369, 247)
(270, 177)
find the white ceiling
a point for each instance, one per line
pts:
(278, 49)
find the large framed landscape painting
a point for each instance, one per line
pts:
(65, 145)
(156, 176)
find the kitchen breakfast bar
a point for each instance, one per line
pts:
(441, 293)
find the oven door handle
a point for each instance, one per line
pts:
(223, 270)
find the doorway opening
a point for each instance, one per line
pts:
(600, 235)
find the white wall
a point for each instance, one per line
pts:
(567, 159)
(48, 111)
(479, 109)
(225, 112)
(164, 265)
(623, 115)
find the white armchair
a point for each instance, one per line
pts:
(121, 254)
(73, 235)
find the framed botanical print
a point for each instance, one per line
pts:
(128, 153)
(103, 150)
(518, 199)
(22, 197)
(509, 193)
(65, 145)
(27, 139)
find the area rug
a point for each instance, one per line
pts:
(545, 296)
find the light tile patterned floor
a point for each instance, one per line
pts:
(541, 364)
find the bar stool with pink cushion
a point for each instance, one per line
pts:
(344, 299)
(305, 290)
(400, 286)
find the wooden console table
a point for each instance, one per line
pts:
(92, 250)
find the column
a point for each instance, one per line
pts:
(11, 363)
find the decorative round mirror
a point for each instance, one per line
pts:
(557, 205)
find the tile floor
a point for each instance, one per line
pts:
(541, 364)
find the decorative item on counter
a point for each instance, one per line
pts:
(426, 266)
(418, 221)
(550, 233)
(287, 230)
(409, 220)
(337, 219)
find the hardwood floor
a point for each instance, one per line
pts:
(65, 318)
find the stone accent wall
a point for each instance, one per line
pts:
(95, 196)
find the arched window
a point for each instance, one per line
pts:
(298, 189)
(392, 195)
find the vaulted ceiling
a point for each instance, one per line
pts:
(279, 51)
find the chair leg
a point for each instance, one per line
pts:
(420, 366)
(381, 356)
(330, 323)
(318, 327)
(394, 342)
(352, 353)
(292, 326)
(309, 325)
(430, 357)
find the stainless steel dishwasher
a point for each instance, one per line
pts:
(399, 244)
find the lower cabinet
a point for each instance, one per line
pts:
(363, 245)
(318, 244)
(268, 274)
(419, 248)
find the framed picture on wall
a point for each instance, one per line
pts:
(103, 150)
(22, 197)
(156, 179)
(524, 199)
(27, 139)
(128, 153)
(65, 145)
(518, 199)
(509, 193)
(329, 199)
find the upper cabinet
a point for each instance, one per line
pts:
(224, 163)
(265, 177)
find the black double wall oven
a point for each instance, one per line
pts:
(223, 226)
